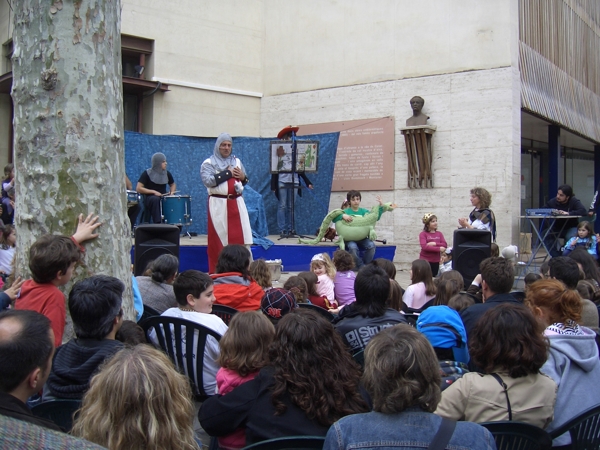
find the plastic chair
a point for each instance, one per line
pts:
(359, 357)
(584, 430)
(518, 295)
(224, 312)
(148, 312)
(182, 340)
(411, 318)
(61, 412)
(289, 442)
(318, 310)
(511, 435)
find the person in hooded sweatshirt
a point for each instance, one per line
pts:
(573, 361)
(153, 184)
(95, 307)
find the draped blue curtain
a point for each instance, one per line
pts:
(186, 154)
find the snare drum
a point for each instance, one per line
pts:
(133, 198)
(177, 209)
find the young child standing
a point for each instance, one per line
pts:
(52, 260)
(323, 268)
(244, 351)
(344, 277)
(432, 242)
(422, 289)
(585, 238)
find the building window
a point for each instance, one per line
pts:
(7, 52)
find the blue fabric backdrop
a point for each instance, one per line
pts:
(186, 154)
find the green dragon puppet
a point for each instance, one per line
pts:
(361, 226)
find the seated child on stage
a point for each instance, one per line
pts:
(344, 277)
(244, 351)
(324, 269)
(52, 260)
(585, 238)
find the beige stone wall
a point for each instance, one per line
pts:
(204, 49)
(477, 143)
(316, 44)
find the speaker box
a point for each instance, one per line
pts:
(469, 248)
(151, 241)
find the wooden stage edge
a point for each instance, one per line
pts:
(294, 256)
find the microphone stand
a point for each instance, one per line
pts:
(292, 233)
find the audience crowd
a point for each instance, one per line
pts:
(339, 353)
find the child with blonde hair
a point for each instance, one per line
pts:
(260, 272)
(244, 351)
(323, 268)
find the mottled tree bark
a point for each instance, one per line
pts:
(68, 130)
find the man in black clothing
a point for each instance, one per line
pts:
(497, 277)
(95, 307)
(359, 321)
(566, 204)
(26, 349)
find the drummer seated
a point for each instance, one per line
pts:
(152, 201)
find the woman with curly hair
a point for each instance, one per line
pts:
(508, 347)
(311, 382)
(482, 217)
(138, 401)
(402, 377)
(573, 356)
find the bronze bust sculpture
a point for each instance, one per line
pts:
(418, 118)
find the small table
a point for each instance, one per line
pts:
(543, 227)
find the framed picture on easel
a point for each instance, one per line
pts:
(307, 156)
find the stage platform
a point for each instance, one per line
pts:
(295, 257)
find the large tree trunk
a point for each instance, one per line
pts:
(68, 130)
